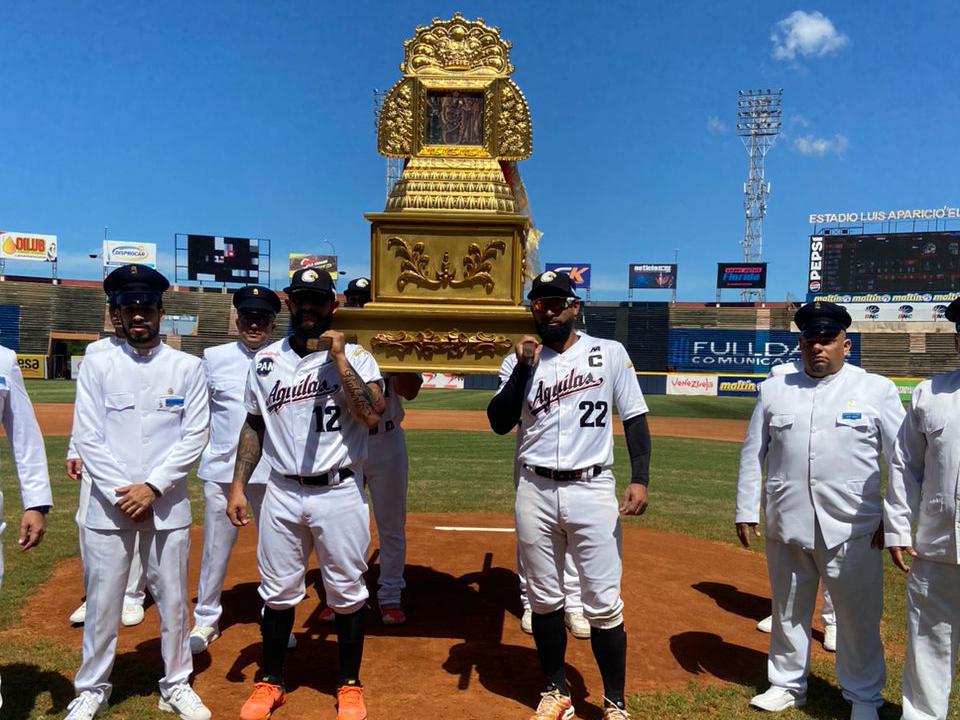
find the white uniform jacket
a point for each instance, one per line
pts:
(22, 429)
(226, 367)
(140, 418)
(922, 484)
(96, 346)
(822, 441)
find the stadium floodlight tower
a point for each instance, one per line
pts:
(758, 125)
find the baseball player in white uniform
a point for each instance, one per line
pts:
(821, 433)
(226, 368)
(136, 582)
(562, 393)
(311, 400)
(29, 456)
(140, 422)
(922, 488)
(827, 614)
(385, 473)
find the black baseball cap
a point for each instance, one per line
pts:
(358, 286)
(822, 318)
(256, 299)
(134, 283)
(552, 284)
(312, 280)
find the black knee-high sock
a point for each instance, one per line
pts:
(610, 650)
(550, 636)
(275, 627)
(350, 646)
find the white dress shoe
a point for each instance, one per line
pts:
(200, 638)
(183, 701)
(577, 625)
(830, 638)
(85, 706)
(79, 615)
(132, 615)
(777, 699)
(863, 712)
(526, 621)
(766, 625)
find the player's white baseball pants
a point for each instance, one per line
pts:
(853, 574)
(137, 579)
(933, 635)
(581, 516)
(334, 522)
(571, 584)
(109, 554)
(385, 471)
(219, 537)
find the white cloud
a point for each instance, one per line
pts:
(811, 145)
(807, 35)
(716, 126)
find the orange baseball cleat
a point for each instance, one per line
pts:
(350, 705)
(265, 699)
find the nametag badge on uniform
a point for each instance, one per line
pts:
(851, 416)
(170, 403)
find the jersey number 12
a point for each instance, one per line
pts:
(332, 423)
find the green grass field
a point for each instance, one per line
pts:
(692, 492)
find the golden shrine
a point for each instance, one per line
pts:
(449, 253)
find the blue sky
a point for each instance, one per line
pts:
(255, 119)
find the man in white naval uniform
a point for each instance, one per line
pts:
(827, 614)
(821, 433)
(140, 422)
(385, 472)
(226, 367)
(134, 595)
(29, 456)
(922, 488)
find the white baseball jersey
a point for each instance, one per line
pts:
(226, 368)
(140, 417)
(922, 486)
(20, 425)
(94, 347)
(786, 368)
(567, 415)
(310, 429)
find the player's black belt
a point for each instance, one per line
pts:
(334, 477)
(566, 475)
(387, 427)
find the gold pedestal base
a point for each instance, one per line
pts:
(424, 337)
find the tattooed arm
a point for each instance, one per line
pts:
(366, 399)
(249, 450)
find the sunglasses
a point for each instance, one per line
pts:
(552, 304)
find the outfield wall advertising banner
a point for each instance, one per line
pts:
(737, 351)
(299, 261)
(644, 276)
(28, 246)
(905, 387)
(691, 384)
(33, 366)
(741, 275)
(578, 272)
(897, 312)
(738, 386)
(119, 252)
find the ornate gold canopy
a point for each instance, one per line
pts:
(448, 254)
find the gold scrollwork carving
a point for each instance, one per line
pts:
(396, 121)
(513, 123)
(452, 343)
(457, 45)
(415, 266)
